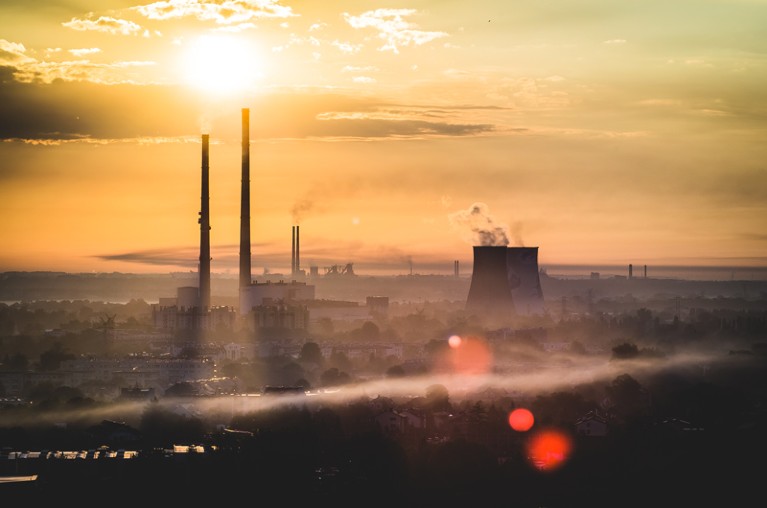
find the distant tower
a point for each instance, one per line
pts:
(490, 296)
(645, 271)
(293, 253)
(631, 271)
(204, 221)
(295, 258)
(245, 273)
(524, 280)
(456, 273)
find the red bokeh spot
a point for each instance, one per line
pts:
(471, 356)
(521, 419)
(549, 449)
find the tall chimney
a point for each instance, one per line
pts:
(298, 253)
(245, 279)
(204, 221)
(490, 296)
(293, 253)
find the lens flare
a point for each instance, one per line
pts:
(521, 419)
(471, 356)
(549, 449)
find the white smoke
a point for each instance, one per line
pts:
(478, 227)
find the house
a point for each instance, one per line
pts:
(592, 424)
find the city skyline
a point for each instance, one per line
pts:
(604, 134)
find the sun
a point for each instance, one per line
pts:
(221, 64)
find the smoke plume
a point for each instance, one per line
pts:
(478, 227)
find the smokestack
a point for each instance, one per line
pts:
(455, 268)
(631, 271)
(490, 296)
(298, 253)
(204, 221)
(245, 278)
(524, 280)
(293, 253)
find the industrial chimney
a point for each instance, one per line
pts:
(245, 274)
(524, 280)
(295, 263)
(293, 253)
(490, 296)
(204, 220)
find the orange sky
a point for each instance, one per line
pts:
(602, 132)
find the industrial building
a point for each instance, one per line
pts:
(505, 284)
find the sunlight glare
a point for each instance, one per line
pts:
(221, 64)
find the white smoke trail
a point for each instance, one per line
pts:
(478, 227)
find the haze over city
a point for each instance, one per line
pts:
(606, 133)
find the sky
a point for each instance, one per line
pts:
(396, 134)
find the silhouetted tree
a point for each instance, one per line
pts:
(626, 396)
(625, 351)
(437, 398)
(311, 353)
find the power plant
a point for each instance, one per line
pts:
(505, 283)
(490, 296)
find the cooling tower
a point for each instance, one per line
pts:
(524, 281)
(245, 202)
(204, 221)
(490, 296)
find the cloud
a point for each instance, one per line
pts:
(13, 53)
(105, 24)
(392, 28)
(347, 47)
(223, 12)
(84, 51)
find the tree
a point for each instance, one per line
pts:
(625, 351)
(311, 353)
(334, 377)
(626, 396)
(437, 398)
(369, 331)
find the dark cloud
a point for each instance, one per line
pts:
(71, 110)
(66, 110)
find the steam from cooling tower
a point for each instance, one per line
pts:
(478, 227)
